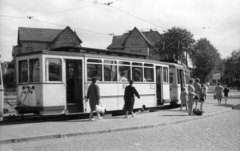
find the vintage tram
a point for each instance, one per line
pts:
(56, 81)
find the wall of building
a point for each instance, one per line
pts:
(33, 46)
(66, 38)
(136, 44)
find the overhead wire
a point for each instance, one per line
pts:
(71, 26)
(65, 11)
(136, 17)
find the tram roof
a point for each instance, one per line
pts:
(81, 50)
(90, 52)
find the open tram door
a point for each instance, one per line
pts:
(181, 78)
(74, 86)
(159, 85)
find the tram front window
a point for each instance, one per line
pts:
(23, 71)
(34, 70)
(54, 69)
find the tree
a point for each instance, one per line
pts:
(175, 42)
(206, 58)
(232, 72)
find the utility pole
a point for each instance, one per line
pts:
(1, 93)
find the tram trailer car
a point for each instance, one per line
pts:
(177, 79)
(56, 82)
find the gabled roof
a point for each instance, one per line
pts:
(151, 38)
(39, 34)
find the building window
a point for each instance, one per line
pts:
(64, 39)
(70, 40)
(23, 71)
(34, 70)
(53, 69)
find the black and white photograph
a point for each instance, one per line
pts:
(119, 75)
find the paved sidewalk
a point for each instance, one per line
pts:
(58, 129)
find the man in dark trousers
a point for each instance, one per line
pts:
(129, 99)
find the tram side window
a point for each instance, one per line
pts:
(165, 75)
(110, 70)
(23, 71)
(34, 70)
(137, 74)
(54, 67)
(94, 70)
(124, 73)
(148, 74)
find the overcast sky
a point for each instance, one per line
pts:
(216, 20)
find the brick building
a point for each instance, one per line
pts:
(35, 39)
(136, 41)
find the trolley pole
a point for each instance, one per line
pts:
(1, 94)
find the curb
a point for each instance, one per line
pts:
(53, 136)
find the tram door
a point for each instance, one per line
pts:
(181, 77)
(159, 85)
(74, 86)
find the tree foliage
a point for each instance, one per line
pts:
(206, 58)
(232, 65)
(175, 41)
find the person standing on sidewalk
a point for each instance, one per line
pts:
(202, 96)
(190, 97)
(198, 89)
(225, 91)
(183, 98)
(218, 91)
(93, 95)
(129, 99)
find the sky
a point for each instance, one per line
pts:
(95, 22)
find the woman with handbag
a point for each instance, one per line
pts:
(93, 95)
(129, 99)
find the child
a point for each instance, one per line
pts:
(225, 90)
(202, 96)
(183, 98)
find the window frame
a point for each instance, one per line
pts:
(20, 71)
(148, 66)
(90, 62)
(47, 70)
(165, 75)
(33, 70)
(137, 65)
(116, 68)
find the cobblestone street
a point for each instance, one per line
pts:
(215, 133)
